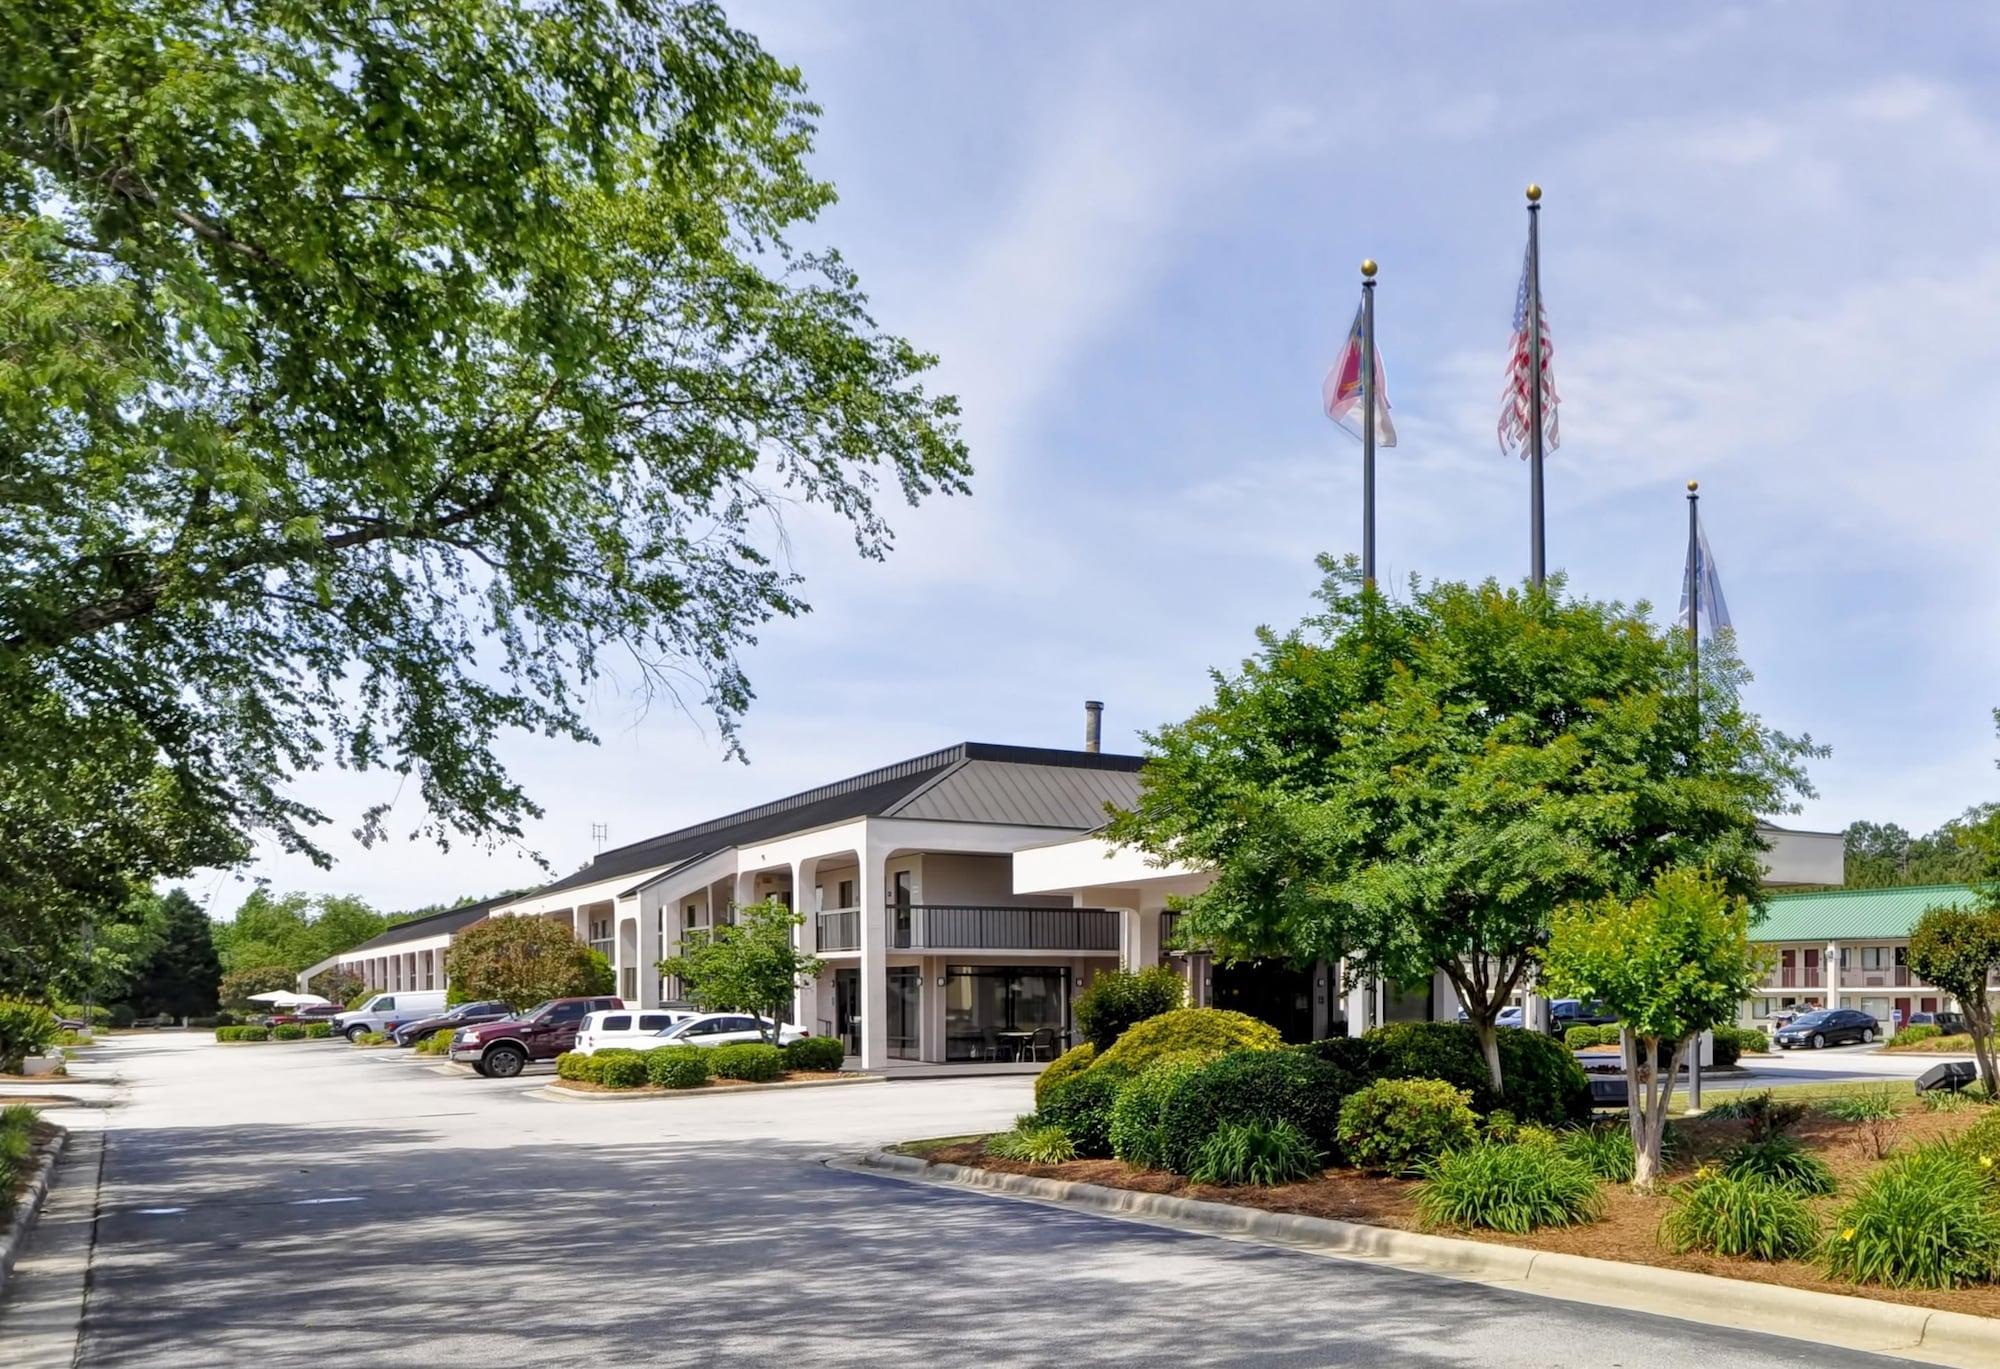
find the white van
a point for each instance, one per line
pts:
(387, 1011)
(636, 1029)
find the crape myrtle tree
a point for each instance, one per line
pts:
(1417, 784)
(1672, 963)
(522, 961)
(374, 378)
(1957, 949)
(750, 964)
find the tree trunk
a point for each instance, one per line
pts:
(1648, 1095)
(1979, 1018)
(1489, 1046)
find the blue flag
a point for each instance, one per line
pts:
(1701, 573)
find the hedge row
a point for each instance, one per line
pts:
(243, 1033)
(686, 1067)
(1392, 1099)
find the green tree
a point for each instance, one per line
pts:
(1959, 851)
(1672, 963)
(752, 964)
(374, 378)
(520, 960)
(238, 985)
(184, 974)
(1417, 785)
(1957, 949)
(337, 986)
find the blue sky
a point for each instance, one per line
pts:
(1132, 232)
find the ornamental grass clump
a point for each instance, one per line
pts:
(1394, 1126)
(1256, 1152)
(1034, 1144)
(1782, 1161)
(1872, 1105)
(1513, 1188)
(1607, 1152)
(437, 1043)
(1740, 1214)
(1925, 1219)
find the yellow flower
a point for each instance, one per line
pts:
(1986, 1161)
(1848, 1234)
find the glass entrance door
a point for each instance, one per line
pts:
(1006, 1012)
(847, 1008)
(906, 984)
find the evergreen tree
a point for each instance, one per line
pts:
(185, 973)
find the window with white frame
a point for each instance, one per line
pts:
(600, 935)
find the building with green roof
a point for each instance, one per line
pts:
(1848, 948)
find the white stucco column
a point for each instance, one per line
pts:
(931, 1010)
(1830, 972)
(1360, 1002)
(805, 1002)
(871, 882)
(651, 952)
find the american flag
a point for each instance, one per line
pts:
(1516, 416)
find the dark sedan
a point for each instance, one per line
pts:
(464, 1015)
(1828, 1027)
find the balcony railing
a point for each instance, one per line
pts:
(957, 927)
(840, 930)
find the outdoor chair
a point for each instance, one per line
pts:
(1044, 1039)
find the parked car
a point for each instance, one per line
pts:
(1950, 1023)
(1509, 1017)
(387, 1011)
(725, 1029)
(627, 1029)
(464, 1015)
(1565, 1013)
(1827, 1027)
(311, 1012)
(502, 1049)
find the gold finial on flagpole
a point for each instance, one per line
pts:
(1534, 192)
(1693, 485)
(1368, 267)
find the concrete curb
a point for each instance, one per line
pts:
(30, 1205)
(1854, 1323)
(550, 1093)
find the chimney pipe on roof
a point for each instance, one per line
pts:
(1093, 725)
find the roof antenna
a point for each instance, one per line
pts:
(599, 834)
(1093, 725)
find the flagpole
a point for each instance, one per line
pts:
(1368, 422)
(1538, 548)
(1695, 572)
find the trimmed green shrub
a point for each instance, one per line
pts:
(1542, 1082)
(621, 1071)
(1605, 1151)
(1210, 1031)
(752, 1062)
(1743, 1215)
(1072, 1061)
(1515, 1188)
(1397, 1125)
(243, 1033)
(1358, 1056)
(1034, 1145)
(289, 1031)
(1137, 1136)
(1732, 1043)
(25, 1029)
(1872, 1105)
(572, 1065)
(1909, 1036)
(677, 1067)
(17, 1149)
(437, 1043)
(1254, 1086)
(1256, 1152)
(1117, 999)
(815, 1054)
(1925, 1219)
(1581, 1038)
(1081, 1105)
(321, 1031)
(1783, 1161)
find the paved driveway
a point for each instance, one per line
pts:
(311, 1206)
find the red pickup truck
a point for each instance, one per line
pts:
(501, 1050)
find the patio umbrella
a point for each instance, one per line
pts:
(285, 998)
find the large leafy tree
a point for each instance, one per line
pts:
(1418, 784)
(1957, 948)
(184, 975)
(294, 930)
(374, 377)
(522, 960)
(751, 964)
(1672, 963)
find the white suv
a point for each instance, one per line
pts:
(626, 1029)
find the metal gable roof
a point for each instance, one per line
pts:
(987, 795)
(436, 924)
(1854, 914)
(1017, 794)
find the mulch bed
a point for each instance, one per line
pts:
(1628, 1231)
